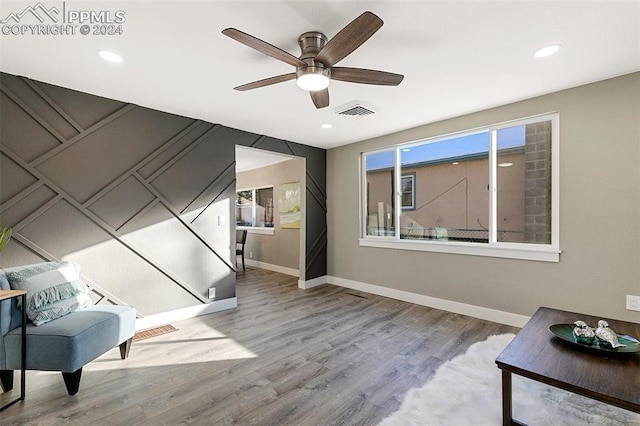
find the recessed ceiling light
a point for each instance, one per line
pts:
(455, 163)
(505, 164)
(548, 50)
(406, 149)
(109, 56)
(327, 126)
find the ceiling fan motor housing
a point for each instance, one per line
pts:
(311, 43)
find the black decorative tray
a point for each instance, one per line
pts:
(565, 332)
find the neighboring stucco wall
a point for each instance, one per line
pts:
(282, 248)
(453, 196)
(599, 214)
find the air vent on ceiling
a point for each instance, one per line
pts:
(355, 110)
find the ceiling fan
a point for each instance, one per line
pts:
(315, 66)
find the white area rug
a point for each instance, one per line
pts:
(467, 390)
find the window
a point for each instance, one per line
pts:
(254, 208)
(380, 200)
(453, 203)
(491, 191)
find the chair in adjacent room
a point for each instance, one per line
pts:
(241, 239)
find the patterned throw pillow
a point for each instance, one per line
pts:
(54, 289)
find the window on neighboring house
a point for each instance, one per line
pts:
(254, 207)
(492, 191)
(408, 188)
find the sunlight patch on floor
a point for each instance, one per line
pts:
(179, 351)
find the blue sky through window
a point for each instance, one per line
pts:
(456, 147)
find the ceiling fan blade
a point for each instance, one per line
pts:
(349, 39)
(266, 82)
(320, 98)
(364, 76)
(263, 46)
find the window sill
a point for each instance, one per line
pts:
(529, 252)
(257, 230)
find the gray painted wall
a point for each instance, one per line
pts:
(132, 194)
(599, 214)
(283, 247)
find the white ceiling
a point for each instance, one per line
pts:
(457, 57)
(249, 158)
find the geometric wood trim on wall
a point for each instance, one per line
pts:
(133, 195)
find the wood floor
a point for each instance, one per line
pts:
(285, 356)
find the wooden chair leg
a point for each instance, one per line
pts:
(6, 379)
(243, 268)
(125, 347)
(72, 381)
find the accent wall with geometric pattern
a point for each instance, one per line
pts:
(143, 200)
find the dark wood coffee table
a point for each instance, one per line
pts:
(536, 353)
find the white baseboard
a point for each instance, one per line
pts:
(432, 302)
(270, 267)
(487, 314)
(314, 282)
(185, 313)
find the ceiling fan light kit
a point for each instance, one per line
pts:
(315, 66)
(313, 78)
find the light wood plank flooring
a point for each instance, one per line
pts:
(285, 356)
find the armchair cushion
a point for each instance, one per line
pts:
(54, 289)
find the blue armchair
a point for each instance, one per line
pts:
(64, 344)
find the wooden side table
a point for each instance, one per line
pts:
(537, 354)
(10, 294)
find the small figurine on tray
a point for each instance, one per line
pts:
(583, 333)
(603, 335)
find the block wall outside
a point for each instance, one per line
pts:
(537, 176)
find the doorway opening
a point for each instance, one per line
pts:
(270, 206)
